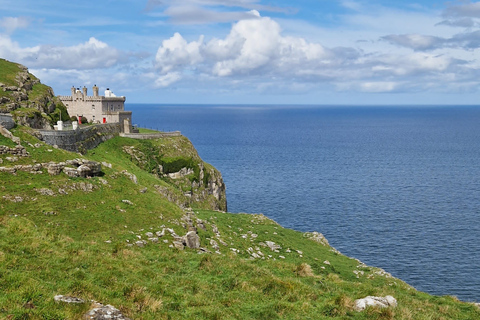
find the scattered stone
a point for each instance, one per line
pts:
(45, 192)
(102, 312)
(153, 239)
(160, 233)
(214, 245)
(128, 202)
(106, 164)
(326, 262)
(131, 176)
(50, 213)
(380, 302)
(178, 244)
(272, 245)
(144, 190)
(141, 243)
(149, 234)
(68, 299)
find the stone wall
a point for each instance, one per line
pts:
(82, 139)
(6, 121)
(146, 136)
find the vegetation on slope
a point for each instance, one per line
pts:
(79, 240)
(29, 101)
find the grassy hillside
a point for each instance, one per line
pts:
(76, 236)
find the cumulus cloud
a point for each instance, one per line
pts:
(256, 51)
(92, 54)
(10, 24)
(253, 47)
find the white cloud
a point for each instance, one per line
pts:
(92, 54)
(176, 53)
(167, 79)
(10, 24)
(258, 51)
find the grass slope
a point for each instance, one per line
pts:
(77, 242)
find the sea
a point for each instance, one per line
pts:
(397, 187)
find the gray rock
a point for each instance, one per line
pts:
(179, 245)
(71, 172)
(272, 245)
(380, 302)
(102, 312)
(192, 240)
(68, 299)
(54, 169)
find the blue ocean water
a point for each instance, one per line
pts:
(396, 187)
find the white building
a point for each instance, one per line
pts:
(98, 109)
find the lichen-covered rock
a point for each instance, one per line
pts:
(371, 301)
(104, 312)
(192, 240)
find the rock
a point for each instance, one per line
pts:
(128, 202)
(141, 243)
(71, 172)
(272, 245)
(317, 237)
(179, 245)
(160, 234)
(54, 169)
(102, 312)
(68, 299)
(106, 164)
(192, 240)
(214, 245)
(380, 302)
(84, 171)
(46, 192)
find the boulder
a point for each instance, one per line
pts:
(380, 302)
(192, 240)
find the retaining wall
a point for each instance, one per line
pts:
(146, 136)
(82, 139)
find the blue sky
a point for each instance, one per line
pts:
(251, 51)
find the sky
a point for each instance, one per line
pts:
(376, 52)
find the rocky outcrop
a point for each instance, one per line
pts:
(379, 302)
(30, 102)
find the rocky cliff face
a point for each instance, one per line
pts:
(175, 160)
(31, 103)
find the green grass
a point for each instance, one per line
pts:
(8, 72)
(53, 245)
(145, 130)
